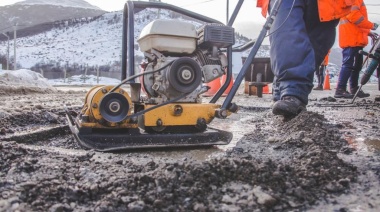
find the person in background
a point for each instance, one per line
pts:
(300, 37)
(319, 73)
(354, 30)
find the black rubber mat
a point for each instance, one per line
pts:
(115, 140)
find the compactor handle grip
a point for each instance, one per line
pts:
(364, 53)
(370, 68)
(369, 55)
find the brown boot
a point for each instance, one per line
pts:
(318, 88)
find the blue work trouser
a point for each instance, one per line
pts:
(299, 43)
(351, 66)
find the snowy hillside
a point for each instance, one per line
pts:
(29, 15)
(96, 43)
(92, 42)
(76, 41)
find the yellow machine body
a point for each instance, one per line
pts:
(91, 116)
(176, 114)
(180, 114)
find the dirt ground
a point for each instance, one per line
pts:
(325, 159)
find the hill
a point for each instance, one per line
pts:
(91, 42)
(29, 13)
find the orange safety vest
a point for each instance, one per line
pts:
(354, 27)
(328, 10)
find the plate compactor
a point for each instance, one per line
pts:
(180, 58)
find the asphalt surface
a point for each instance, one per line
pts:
(325, 159)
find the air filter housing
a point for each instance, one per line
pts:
(171, 36)
(220, 36)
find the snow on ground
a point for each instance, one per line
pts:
(88, 80)
(24, 77)
(28, 78)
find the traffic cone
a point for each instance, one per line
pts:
(225, 93)
(326, 83)
(214, 87)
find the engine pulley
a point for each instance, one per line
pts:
(114, 107)
(184, 75)
(107, 109)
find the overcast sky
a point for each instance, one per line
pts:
(213, 8)
(248, 22)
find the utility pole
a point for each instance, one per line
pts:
(228, 8)
(15, 37)
(159, 12)
(6, 35)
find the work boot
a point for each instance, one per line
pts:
(342, 93)
(288, 106)
(318, 88)
(361, 93)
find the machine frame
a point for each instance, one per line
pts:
(115, 137)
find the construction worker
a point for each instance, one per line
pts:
(319, 73)
(300, 37)
(353, 36)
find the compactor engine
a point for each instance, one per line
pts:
(180, 59)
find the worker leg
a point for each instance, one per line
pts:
(276, 90)
(347, 66)
(322, 74)
(322, 36)
(358, 63)
(292, 55)
(318, 75)
(306, 39)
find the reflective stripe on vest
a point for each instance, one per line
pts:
(355, 8)
(359, 21)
